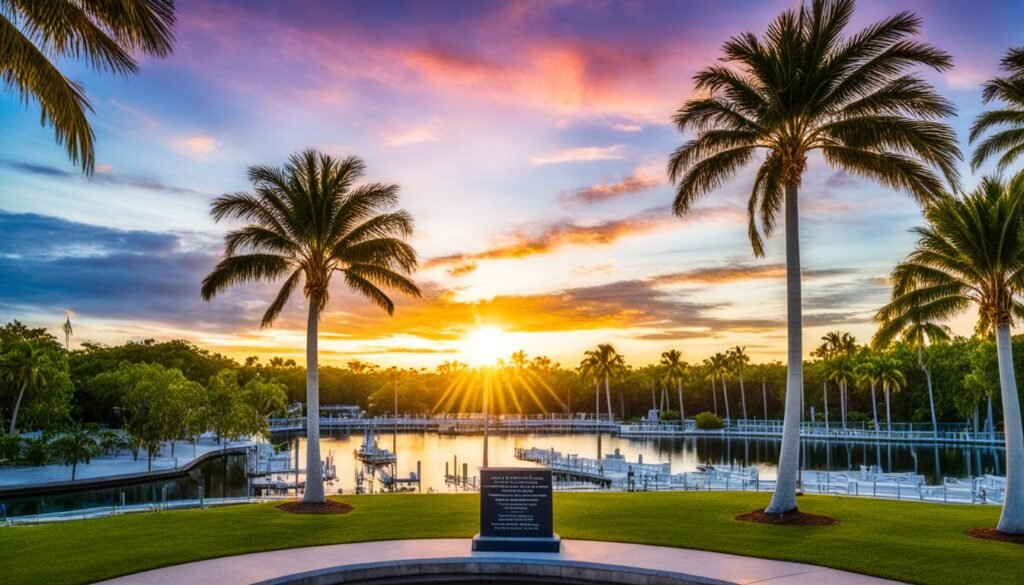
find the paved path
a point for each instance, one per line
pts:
(691, 565)
(109, 466)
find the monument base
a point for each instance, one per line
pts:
(517, 544)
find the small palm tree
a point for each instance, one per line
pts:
(971, 253)
(840, 371)
(916, 330)
(34, 35)
(867, 373)
(607, 364)
(738, 358)
(1008, 121)
(674, 372)
(806, 87)
(22, 368)
(78, 444)
(892, 380)
(308, 221)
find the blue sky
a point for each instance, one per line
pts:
(529, 140)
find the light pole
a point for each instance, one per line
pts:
(487, 415)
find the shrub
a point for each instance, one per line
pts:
(36, 452)
(669, 415)
(708, 420)
(10, 448)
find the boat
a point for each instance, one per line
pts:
(370, 453)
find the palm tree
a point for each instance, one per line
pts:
(35, 35)
(917, 331)
(675, 369)
(805, 87)
(971, 252)
(22, 368)
(840, 371)
(867, 372)
(720, 367)
(712, 376)
(307, 221)
(738, 357)
(892, 380)
(79, 444)
(607, 364)
(587, 371)
(1008, 121)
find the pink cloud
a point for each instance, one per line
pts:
(585, 153)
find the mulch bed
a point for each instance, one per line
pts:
(331, 507)
(790, 519)
(993, 534)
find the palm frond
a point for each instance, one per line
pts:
(243, 269)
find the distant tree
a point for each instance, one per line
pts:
(674, 372)
(22, 368)
(78, 444)
(607, 365)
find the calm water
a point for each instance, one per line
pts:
(434, 450)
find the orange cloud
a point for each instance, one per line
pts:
(634, 183)
(198, 145)
(559, 235)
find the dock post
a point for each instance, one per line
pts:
(465, 473)
(419, 476)
(202, 501)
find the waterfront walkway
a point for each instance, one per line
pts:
(473, 424)
(111, 467)
(579, 560)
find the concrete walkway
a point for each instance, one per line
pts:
(109, 466)
(577, 556)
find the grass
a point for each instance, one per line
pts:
(907, 541)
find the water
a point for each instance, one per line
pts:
(221, 477)
(434, 450)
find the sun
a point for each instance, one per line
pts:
(484, 346)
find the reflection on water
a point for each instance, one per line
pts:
(434, 450)
(221, 477)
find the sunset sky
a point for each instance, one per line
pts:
(529, 140)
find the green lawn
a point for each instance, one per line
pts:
(922, 543)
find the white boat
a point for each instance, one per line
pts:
(370, 453)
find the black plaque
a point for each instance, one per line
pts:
(515, 510)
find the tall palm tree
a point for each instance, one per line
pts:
(22, 368)
(607, 365)
(1008, 121)
(806, 87)
(738, 358)
(867, 372)
(34, 35)
(720, 366)
(918, 332)
(840, 371)
(307, 221)
(971, 253)
(588, 372)
(675, 371)
(892, 380)
(712, 376)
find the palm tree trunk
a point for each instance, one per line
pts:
(784, 497)
(888, 417)
(725, 398)
(14, 413)
(679, 389)
(714, 395)
(1012, 518)
(608, 397)
(931, 401)
(990, 424)
(597, 400)
(824, 393)
(654, 401)
(764, 398)
(842, 402)
(74, 469)
(874, 406)
(314, 491)
(743, 395)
